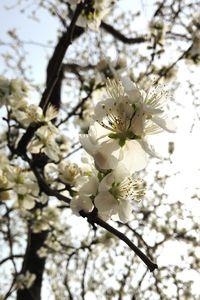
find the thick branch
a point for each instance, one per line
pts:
(53, 75)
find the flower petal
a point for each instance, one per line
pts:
(134, 157)
(104, 157)
(106, 204)
(166, 124)
(81, 203)
(149, 149)
(125, 211)
(90, 187)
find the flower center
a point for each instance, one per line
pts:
(118, 120)
(129, 188)
(89, 10)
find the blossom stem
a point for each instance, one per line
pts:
(93, 218)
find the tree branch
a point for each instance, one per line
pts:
(119, 36)
(94, 219)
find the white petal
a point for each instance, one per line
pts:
(52, 151)
(51, 172)
(90, 187)
(81, 203)
(102, 108)
(21, 189)
(104, 157)
(106, 203)
(150, 110)
(28, 202)
(87, 144)
(149, 149)
(132, 90)
(125, 211)
(167, 125)
(134, 157)
(121, 172)
(106, 182)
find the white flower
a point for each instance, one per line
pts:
(34, 114)
(68, 172)
(24, 187)
(28, 114)
(112, 137)
(125, 119)
(65, 172)
(18, 88)
(25, 280)
(25, 201)
(81, 202)
(92, 13)
(151, 104)
(86, 187)
(22, 181)
(115, 193)
(12, 92)
(44, 141)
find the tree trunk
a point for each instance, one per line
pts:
(34, 264)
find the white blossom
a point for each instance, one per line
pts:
(158, 30)
(12, 92)
(92, 13)
(112, 137)
(115, 193)
(122, 123)
(25, 280)
(86, 188)
(24, 187)
(34, 114)
(44, 141)
(68, 172)
(81, 202)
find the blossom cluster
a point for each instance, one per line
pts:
(13, 95)
(117, 142)
(17, 182)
